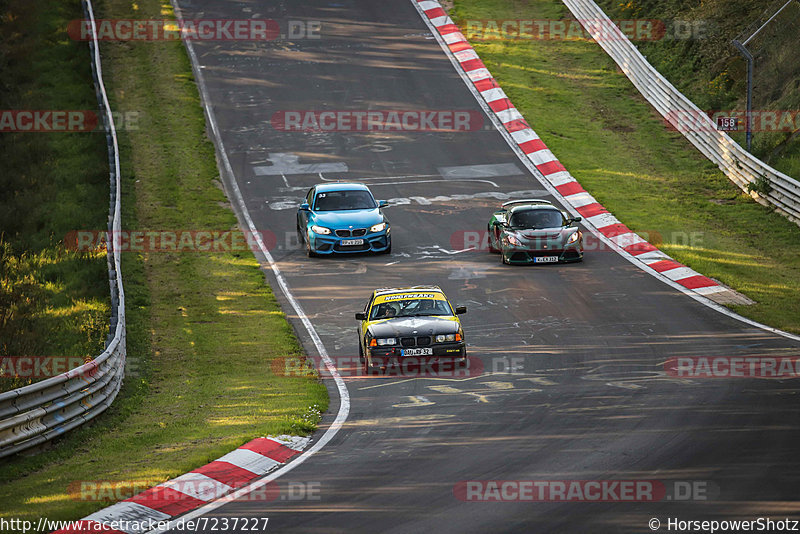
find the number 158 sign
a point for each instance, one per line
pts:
(728, 124)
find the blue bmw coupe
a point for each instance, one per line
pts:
(342, 218)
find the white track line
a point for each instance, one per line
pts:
(344, 395)
(495, 119)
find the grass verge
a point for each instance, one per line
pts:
(50, 302)
(203, 328)
(652, 179)
(713, 73)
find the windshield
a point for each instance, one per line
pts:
(344, 200)
(533, 219)
(410, 308)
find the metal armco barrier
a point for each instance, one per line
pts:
(739, 165)
(34, 414)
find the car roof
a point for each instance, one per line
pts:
(527, 202)
(529, 207)
(412, 289)
(340, 186)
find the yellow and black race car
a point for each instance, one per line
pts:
(413, 322)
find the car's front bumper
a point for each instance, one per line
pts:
(526, 256)
(442, 352)
(331, 244)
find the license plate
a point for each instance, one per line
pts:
(350, 242)
(546, 259)
(416, 352)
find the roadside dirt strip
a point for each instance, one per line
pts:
(558, 176)
(210, 482)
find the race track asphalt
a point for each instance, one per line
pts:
(588, 400)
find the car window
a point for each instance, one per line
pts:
(410, 308)
(538, 218)
(344, 200)
(310, 197)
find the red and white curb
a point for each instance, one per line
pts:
(556, 174)
(194, 489)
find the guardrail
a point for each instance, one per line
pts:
(741, 167)
(37, 413)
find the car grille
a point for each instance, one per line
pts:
(358, 232)
(420, 341)
(542, 253)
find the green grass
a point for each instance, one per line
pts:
(711, 71)
(652, 179)
(203, 329)
(50, 303)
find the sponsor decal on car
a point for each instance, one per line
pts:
(402, 296)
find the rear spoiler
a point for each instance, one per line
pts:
(527, 201)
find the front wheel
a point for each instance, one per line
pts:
(309, 251)
(388, 249)
(492, 248)
(369, 369)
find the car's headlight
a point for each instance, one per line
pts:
(572, 238)
(378, 227)
(513, 240)
(442, 338)
(387, 341)
(320, 230)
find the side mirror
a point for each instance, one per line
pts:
(304, 206)
(461, 310)
(575, 219)
(383, 203)
(361, 316)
